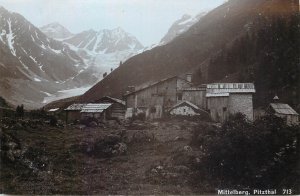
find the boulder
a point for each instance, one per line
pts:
(93, 124)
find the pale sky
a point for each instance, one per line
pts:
(148, 20)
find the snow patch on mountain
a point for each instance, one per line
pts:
(180, 26)
(10, 38)
(56, 31)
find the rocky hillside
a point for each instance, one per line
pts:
(105, 41)
(180, 26)
(56, 31)
(193, 49)
(33, 65)
(104, 49)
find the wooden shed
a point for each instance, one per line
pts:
(73, 112)
(284, 111)
(117, 109)
(95, 110)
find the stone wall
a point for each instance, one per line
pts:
(242, 103)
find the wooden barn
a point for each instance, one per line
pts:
(73, 112)
(284, 111)
(195, 95)
(117, 109)
(224, 99)
(95, 110)
(155, 99)
(186, 108)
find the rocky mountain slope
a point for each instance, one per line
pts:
(56, 31)
(105, 49)
(193, 49)
(102, 50)
(180, 26)
(105, 41)
(32, 65)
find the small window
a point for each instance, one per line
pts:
(153, 110)
(179, 96)
(224, 109)
(184, 110)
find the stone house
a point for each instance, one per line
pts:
(155, 99)
(224, 99)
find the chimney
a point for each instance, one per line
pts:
(131, 89)
(189, 77)
(276, 99)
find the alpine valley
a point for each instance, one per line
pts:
(39, 65)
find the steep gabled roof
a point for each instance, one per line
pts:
(115, 100)
(156, 83)
(282, 108)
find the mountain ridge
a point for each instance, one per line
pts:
(191, 50)
(29, 59)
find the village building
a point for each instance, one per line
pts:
(155, 99)
(186, 108)
(98, 111)
(73, 112)
(284, 111)
(117, 109)
(224, 99)
(195, 95)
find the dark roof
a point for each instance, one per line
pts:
(156, 83)
(75, 107)
(282, 108)
(6, 108)
(115, 100)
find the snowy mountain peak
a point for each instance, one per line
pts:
(105, 41)
(56, 31)
(186, 16)
(180, 26)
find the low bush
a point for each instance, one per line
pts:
(263, 154)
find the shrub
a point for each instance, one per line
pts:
(262, 154)
(53, 121)
(139, 116)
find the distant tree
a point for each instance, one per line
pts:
(111, 69)
(121, 63)
(20, 111)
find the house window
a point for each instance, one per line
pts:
(184, 110)
(224, 109)
(153, 110)
(179, 96)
